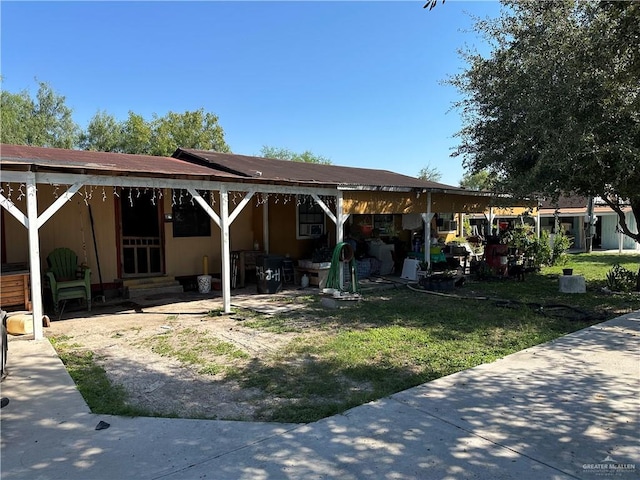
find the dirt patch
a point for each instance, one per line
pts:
(131, 344)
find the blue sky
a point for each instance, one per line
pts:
(357, 82)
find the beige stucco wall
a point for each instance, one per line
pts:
(69, 227)
(184, 255)
(398, 202)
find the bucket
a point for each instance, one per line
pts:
(204, 283)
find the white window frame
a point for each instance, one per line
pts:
(323, 223)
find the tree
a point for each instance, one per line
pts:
(161, 136)
(554, 108)
(286, 154)
(429, 173)
(477, 181)
(191, 129)
(104, 134)
(45, 121)
(136, 135)
(15, 111)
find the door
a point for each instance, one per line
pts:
(141, 252)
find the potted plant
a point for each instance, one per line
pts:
(439, 281)
(366, 225)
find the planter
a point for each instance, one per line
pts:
(567, 271)
(366, 230)
(437, 283)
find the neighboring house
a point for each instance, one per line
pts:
(161, 215)
(571, 214)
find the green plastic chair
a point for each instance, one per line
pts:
(67, 279)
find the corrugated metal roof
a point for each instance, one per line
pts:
(114, 163)
(285, 170)
(216, 166)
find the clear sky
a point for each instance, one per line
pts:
(358, 82)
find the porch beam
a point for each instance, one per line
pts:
(57, 205)
(10, 207)
(241, 205)
(324, 207)
(154, 182)
(226, 253)
(34, 257)
(205, 206)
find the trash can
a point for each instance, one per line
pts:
(269, 274)
(204, 283)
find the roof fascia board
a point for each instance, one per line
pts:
(157, 182)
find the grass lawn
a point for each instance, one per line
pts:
(397, 339)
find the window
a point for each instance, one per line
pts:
(310, 218)
(446, 223)
(189, 218)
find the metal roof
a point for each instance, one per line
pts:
(276, 170)
(107, 162)
(209, 165)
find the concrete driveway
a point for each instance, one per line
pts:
(562, 410)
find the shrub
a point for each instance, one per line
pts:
(540, 250)
(561, 244)
(619, 279)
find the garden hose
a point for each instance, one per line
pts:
(342, 253)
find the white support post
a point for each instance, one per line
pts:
(538, 222)
(34, 256)
(13, 210)
(205, 206)
(324, 207)
(241, 205)
(340, 218)
(226, 253)
(426, 218)
(491, 218)
(57, 205)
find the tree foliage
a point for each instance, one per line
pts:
(160, 136)
(477, 181)
(103, 134)
(554, 109)
(429, 173)
(191, 129)
(45, 121)
(286, 154)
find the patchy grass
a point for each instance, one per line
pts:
(193, 347)
(391, 341)
(387, 344)
(91, 379)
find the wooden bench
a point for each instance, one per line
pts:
(15, 290)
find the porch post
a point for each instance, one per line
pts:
(427, 232)
(491, 218)
(34, 256)
(340, 219)
(225, 245)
